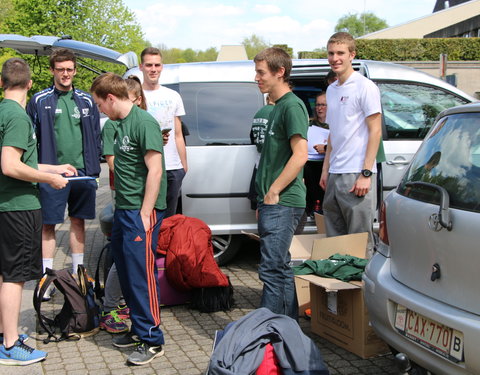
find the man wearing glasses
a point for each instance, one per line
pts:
(67, 125)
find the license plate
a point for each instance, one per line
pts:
(434, 336)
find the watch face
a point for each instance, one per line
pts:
(366, 173)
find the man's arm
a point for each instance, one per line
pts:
(363, 184)
(326, 166)
(13, 167)
(110, 161)
(153, 161)
(292, 169)
(182, 150)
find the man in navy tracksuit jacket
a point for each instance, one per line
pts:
(67, 125)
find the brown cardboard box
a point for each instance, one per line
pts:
(338, 309)
(301, 250)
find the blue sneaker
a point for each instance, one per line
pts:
(21, 337)
(20, 355)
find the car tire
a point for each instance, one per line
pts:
(225, 247)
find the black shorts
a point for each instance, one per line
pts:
(21, 245)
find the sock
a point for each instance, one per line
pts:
(77, 258)
(47, 263)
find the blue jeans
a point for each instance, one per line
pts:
(276, 226)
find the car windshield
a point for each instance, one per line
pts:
(449, 157)
(409, 110)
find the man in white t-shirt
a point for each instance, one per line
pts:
(166, 106)
(349, 170)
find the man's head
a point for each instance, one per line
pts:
(151, 66)
(341, 52)
(108, 90)
(63, 66)
(273, 66)
(321, 107)
(16, 74)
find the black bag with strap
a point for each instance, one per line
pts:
(79, 316)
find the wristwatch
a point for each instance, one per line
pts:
(366, 172)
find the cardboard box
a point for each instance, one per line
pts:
(301, 250)
(338, 309)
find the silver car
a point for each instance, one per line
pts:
(221, 99)
(421, 286)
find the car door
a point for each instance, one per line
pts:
(42, 46)
(409, 110)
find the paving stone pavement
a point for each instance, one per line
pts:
(188, 333)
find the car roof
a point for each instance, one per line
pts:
(43, 45)
(244, 71)
(466, 108)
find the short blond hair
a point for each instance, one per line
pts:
(343, 38)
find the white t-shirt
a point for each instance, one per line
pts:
(348, 107)
(316, 136)
(165, 104)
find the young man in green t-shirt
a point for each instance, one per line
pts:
(20, 216)
(279, 184)
(140, 202)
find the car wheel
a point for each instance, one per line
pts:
(225, 247)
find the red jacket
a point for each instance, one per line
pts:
(187, 243)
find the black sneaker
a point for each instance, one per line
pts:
(144, 354)
(126, 340)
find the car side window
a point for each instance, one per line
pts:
(409, 110)
(219, 113)
(450, 158)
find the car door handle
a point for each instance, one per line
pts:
(400, 162)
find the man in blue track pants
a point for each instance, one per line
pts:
(140, 185)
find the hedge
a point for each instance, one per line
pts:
(457, 49)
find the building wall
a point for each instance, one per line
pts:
(425, 25)
(467, 73)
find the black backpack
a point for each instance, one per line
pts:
(79, 316)
(104, 263)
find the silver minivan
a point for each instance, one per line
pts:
(221, 99)
(421, 286)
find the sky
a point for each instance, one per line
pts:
(302, 24)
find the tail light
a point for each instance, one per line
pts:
(111, 179)
(383, 232)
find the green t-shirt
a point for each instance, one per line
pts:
(259, 125)
(16, 130)
(136, 134)
(289, 117)
(68, 131)
(108, 137)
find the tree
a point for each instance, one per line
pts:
(285, 47)
(360, 24)
(254, 45)
(107, 23)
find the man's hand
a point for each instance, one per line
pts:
(361, 186)
(271, 198)
(66, 169)
(323, 180)
(320, 148)
(145, 220)
(165, 137)
(57, 182)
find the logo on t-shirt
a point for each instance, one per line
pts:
(344, 99)
(126, 144)
(76, 113)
